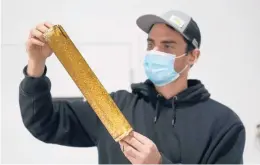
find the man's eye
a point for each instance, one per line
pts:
(149, 45)
(168, 46)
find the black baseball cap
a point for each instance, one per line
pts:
(181, 22)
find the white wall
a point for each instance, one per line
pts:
(106, 34)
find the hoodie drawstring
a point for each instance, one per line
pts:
(157, 111)
(174, 111)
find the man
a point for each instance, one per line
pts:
(174, 118)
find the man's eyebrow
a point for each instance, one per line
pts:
(150, 39)
(169, 42)
(163, 42)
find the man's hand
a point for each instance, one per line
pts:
(38, 50)
(140, 150)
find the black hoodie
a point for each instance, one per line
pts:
(189, 128)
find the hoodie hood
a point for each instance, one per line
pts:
(196, 92)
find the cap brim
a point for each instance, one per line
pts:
(145, 22)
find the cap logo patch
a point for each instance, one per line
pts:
(176, 20)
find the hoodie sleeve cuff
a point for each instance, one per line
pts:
(26, 74)
(164, 160)
(31, 85)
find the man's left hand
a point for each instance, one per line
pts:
(140, 150)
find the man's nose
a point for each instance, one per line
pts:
(157, 48)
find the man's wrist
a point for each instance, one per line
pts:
(35, 68)
(164, 160)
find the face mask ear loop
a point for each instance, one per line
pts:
(181, 55)
(183, 69)
(185, 66)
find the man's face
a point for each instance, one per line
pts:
(163, 38)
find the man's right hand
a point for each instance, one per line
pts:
(38, 50)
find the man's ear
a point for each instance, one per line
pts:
(193, 56)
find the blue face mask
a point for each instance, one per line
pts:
(159, 67)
